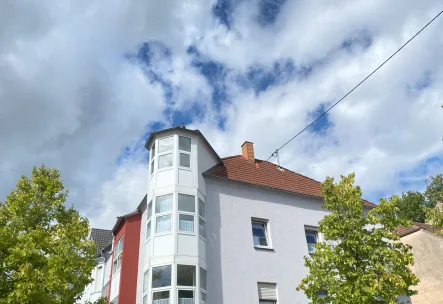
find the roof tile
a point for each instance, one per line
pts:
(267, 174)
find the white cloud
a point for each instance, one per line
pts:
(71, 99)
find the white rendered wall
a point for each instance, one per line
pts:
(234, 265)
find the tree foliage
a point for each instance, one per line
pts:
(45, 256)
(360, 260)
(411, 206)
(434, 191)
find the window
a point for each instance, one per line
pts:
(186, 203)
(184, 145)
(148, 221)
(118, 252)
(161, 276)
(203, 279)
(186, 207)
(98, 278)
(166, 144)
(186, 275)
(204, 298)
(145, 286)
(186, 223)
(160, 297)
(201, 220)
(165, 161)
(185, 160)
(311, 239)
(260, 233)
(267, 293)
(115, 301)
(163, 207)
(153, 158)
(185, 297)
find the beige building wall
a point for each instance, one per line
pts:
(428, 253)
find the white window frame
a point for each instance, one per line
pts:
(186, 213)
(160, 289)
(202, 290)
(149, 219)
(274, 301)
(158, 153)
(184, 152)
(153, 156)
(117, 256)
(201, 217)
(156, 215)
(267, 232)
(146, 292)
(312, 230)
(188, 288)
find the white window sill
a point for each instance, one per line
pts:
(264, 248)
(186, 232)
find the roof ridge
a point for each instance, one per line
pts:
(232, 156)
(265, 161)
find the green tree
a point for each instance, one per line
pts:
(360, 260)
(45, 256)
(435, 217)
(411, 206)
(434, 191)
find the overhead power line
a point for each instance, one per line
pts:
(275, 153)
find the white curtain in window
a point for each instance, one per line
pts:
(185, 301)
(163, 203)
(163, 224)
(163, 301)
(267, 291)
(186, 223)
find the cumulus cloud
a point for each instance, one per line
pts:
(82, 83)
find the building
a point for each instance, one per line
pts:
(101, 272)
(214, 230)
(427, 249)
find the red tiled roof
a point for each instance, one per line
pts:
(266, 174)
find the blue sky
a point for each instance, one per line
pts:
(92, 79)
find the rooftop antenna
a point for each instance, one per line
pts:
(275, 154)
(183, 125)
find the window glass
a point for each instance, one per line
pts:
(259, 234)
(145, 300)
(185, 160)
(165, 161)
(185, 297)
(148, 230)
(152, 166)
(166, 144)
(163, 224)
(163, 203)
(186, 203)
(204, 298)
(203, 279)
(153, 151)
(202, 228)
(160, 295)
(186, 275)
(145, 281)
(201, 208)
(149, 209)
(184, 144)
(161, 276)
(311, 239)
(186, 223)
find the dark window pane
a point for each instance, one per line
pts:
(185, 275)
(201, 208)
(149, 209)
(184, 144)
(153, 151)
(161, 276)
(161, 295)
(259, 234)
(203, 283)
(185, 160)
(185, 294)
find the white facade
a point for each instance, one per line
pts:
(172, 258)
(235, 265)
(100, 277)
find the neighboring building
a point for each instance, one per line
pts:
(213, 230)
(100, 274)
(427, 249)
